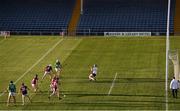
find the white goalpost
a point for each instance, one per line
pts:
(167, 54)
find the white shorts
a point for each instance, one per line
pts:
(33, 85)
(46, 72)
(12, 93)
(55, 90)
(51, 88)
(57, 69)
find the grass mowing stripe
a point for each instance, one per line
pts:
(2, 40)
(139, 87)
(112, 85)
(52, 48)
(34, 94)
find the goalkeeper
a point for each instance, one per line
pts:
(92, 75)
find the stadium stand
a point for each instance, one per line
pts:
(34, 16)
(177, 19)
(74, 19)
(99, 16)
(125, 16)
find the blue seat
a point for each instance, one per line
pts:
(124, 15)
(35, 15)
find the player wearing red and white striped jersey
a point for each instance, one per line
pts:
(54, 87)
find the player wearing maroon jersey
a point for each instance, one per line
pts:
(24, 93)
(34, 83)
(48, 71)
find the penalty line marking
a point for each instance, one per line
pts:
(112, 85)
(37, 62)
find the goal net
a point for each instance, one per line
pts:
(5, 34)
(173, 56)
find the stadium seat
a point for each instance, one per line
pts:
(125, 16)
(35, 15)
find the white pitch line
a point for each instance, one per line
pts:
(64, 60)
(52, 48)
(112, 85)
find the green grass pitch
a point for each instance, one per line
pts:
(139, 63)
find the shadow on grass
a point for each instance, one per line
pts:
(118, 95)
(118, 80)
(83, 93)
(131, 80)
(103, 105)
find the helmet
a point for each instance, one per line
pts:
(94, 65)
(49, 65)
